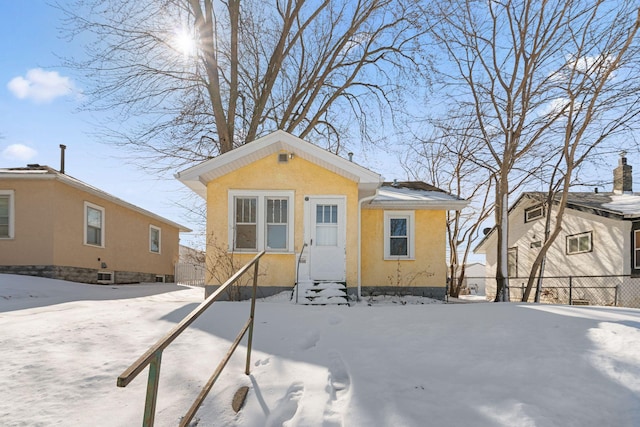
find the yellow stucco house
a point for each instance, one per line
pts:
(324, 221)
(53, 225)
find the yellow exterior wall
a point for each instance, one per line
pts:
(298, 175)
(49, 230)
(429, 266)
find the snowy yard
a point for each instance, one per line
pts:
(64, 344)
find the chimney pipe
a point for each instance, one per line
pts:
(622, 176)
(350, 156)
(62, 148)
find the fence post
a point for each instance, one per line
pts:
(615, 296)
(251, 316)
(152, 390)
(570, 289)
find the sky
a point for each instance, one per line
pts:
(378, 363)
(39, 103)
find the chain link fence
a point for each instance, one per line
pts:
(617, 291)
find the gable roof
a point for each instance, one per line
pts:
(38, 172)
(623, 206)
(197, 177)
(414, 195)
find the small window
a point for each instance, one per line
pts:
(159, 278)
(154, 239)
(399, 235)
(105, 277)
(512, 262)
(93, 224)
(6, 214)
(533, 213)
(536, 244)
(579, 243)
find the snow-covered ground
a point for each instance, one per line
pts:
(62, 346)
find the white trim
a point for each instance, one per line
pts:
(102, 224)
(197, 176)
(153, 227)
(12, 213)
(261, 224)
(411, 233)
(577, 237)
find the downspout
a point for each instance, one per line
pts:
(364, 199)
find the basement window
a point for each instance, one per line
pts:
(105, 277)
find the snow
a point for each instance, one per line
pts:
(407, 194)
(382, 362)
(627, 204)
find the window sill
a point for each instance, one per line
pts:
(93, 246)
(399, 258)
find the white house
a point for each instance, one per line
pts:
(600, 237)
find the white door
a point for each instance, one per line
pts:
(326, 237)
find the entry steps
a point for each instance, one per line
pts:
(321, 293)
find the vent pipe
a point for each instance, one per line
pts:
(350, 156)
(62, 148)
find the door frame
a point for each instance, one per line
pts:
(341, 201)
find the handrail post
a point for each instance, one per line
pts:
(570, 289)
(152, 390)
(251, 316)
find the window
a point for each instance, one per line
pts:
(536, 244)
(93, 225)
(159, 278)
(399, 234)
(246, 226)
(277, 213)
(579, 243)
(260, 220)
(636, 249)
(105, 277)
(512, 262)
(6, 214)
(533, 213)
(154, 239)
(326, 225)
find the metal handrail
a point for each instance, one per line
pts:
(153, 356)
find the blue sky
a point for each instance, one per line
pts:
(39, 111)
(39, 103)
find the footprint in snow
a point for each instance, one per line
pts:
(262, 362)
(286, 407)
(310, 340)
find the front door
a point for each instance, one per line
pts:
(326, 236)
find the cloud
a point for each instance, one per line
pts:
(41, 86)
(19, 152)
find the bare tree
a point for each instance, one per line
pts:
(505, 60)
(447, 159)
(186, 80)
(601, 100)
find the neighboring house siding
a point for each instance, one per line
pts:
(609, 255)
(427, 269)
(49, 236)
(301, 177)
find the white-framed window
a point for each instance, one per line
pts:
(7, 214)
(154, 239)
(105, 277)
(533, 213)
(399, 232)
(159, 278)
(261, 219)
(93, 225)
(579, 243)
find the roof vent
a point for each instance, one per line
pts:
(283, 158)
(395, 183)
